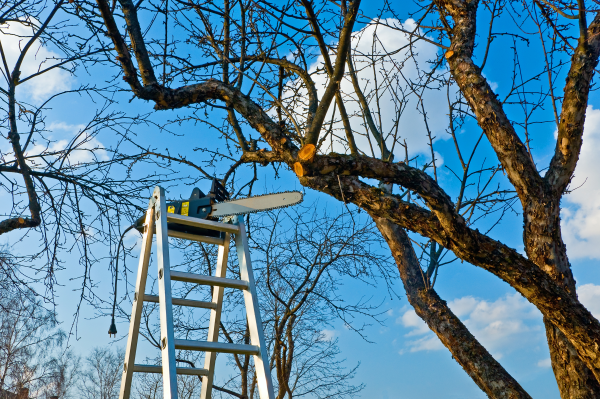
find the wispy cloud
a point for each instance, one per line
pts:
(378, 39)
(589, 295)
(410, 319)
(545, 363)
(581, 211)
(328, 335)
(14, 37)
(426, 341)
(502, 326)
(84, 146)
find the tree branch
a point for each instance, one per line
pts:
(485, 371)
(572, 116)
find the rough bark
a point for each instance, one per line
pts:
(540, 197)
(544, 243)
(485, 371)
(574, 379)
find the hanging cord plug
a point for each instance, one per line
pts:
(112, 330)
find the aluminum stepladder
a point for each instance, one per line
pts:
(156, 223)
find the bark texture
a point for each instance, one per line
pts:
(574, 379)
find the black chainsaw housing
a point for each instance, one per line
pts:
(198, 206)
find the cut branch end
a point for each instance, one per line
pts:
(299, 169)
(307, 153)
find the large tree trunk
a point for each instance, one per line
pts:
(545, 247)
(485, 371)
(574, 379)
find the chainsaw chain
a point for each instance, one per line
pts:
(263, 210)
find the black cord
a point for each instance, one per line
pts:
(112, 331)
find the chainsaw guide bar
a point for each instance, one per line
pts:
(259, 203)
(216, 204)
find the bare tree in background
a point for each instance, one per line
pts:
(63, 377)
(102, 376)
(31, 344)
(301, 258)
(150, 386)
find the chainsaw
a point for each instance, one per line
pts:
(216, 204)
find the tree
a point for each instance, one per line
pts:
(63, 377)
(102, 376)
(252, 61)
(301, 258)
(59, 183)
(149, 386)
(32, 353)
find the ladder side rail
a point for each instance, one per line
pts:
(138, 303)
(257, 338)
(167, 334)
(215, 319)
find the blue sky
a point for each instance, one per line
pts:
(404, 360)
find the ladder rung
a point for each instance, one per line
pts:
(183, 302)
(195, 237)
(145, 368)
(221, 347)
(207, 224)
(209, 280)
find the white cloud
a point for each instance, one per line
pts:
(328, 335)
(545, 363)
(82, 141)
(463, 306)
(61, 136)
(589, 295)
(14, 37)
(410, 320)
(394, 70)
(581, 211)
(427, 341)
(501, 326)
(504, 325)
(133, 237)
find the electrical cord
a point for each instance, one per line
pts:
(112, 330)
